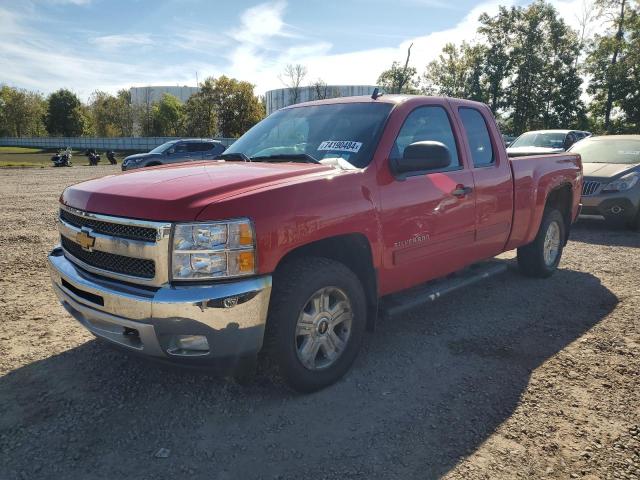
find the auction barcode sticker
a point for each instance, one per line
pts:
(340, 146)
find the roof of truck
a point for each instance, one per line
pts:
(385, 98)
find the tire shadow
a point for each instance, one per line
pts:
(429, 387)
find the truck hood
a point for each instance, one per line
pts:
(606, 170)
(180, 192)
(523, 151)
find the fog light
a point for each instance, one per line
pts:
(616, 209)
(188, 345)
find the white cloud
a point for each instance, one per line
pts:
(114, 42)
(69, 2)
(359, 67)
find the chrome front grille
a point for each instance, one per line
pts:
(132, 232)
(590, 188)
(135, 251)
(137, 267)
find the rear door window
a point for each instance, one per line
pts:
(180, 148)
(427, 123)
(478, 137)
(193, 147)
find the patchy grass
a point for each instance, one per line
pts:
(4, 164)
(34, 157)
(19, 150)
(13, 159)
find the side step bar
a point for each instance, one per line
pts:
(428, 292)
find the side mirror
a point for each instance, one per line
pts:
(171, 151)
(420, 157)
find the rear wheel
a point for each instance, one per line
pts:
(541, 257)
(316, 322)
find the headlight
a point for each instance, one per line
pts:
(623, 183)
(213, 250)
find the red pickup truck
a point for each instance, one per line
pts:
(288, 242)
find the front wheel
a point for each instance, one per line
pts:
(316, 322)
(541, 257)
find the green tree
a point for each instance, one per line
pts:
(530, 67)
(200, 118)
(610, 62)
(400, 78)
(457, 72)
(64, 114)
(21, 112)
(630, 102)
(168, 116)
(109, 115)
(223, 106)
(497, 34)
(237, 108)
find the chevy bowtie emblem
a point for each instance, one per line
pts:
(85, 240)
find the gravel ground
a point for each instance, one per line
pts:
(513, 378)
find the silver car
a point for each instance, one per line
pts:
(611, 166)
(544, 142)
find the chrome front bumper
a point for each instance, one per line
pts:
(231, 316)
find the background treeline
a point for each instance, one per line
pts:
(224, 107)
(533, 69)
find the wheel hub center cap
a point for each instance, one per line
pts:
(323, 326)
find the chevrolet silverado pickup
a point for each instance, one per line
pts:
(285, 245)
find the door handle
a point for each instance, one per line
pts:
(461, 191)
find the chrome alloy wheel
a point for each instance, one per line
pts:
(551, 243)
(323, 328)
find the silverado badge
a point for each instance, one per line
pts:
(85, 240)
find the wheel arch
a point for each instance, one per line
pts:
(561, 198)
(352, 250)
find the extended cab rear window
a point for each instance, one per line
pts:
(350, 131)
(478, 137)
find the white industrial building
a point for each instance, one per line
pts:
(153, 93)
(283, 97)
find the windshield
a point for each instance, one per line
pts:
(348, 131)
(539, 139)
(609, 150)
(163, 147)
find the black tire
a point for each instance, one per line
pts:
(634, 224)
(294, 285)
(531, 258)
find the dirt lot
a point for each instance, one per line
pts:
(515, 378)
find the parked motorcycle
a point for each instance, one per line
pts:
(93, 157)
(62, 158)
(111, 156)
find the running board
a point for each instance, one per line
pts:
(428, 292)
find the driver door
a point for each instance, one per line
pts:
(428, 222)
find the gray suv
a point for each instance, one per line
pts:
(175, 151)
(611, 168)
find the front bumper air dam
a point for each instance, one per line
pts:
(612, 206)
(231, 315)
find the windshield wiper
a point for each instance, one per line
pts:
(286, 157)
(234, 156)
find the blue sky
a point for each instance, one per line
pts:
(109, 44)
